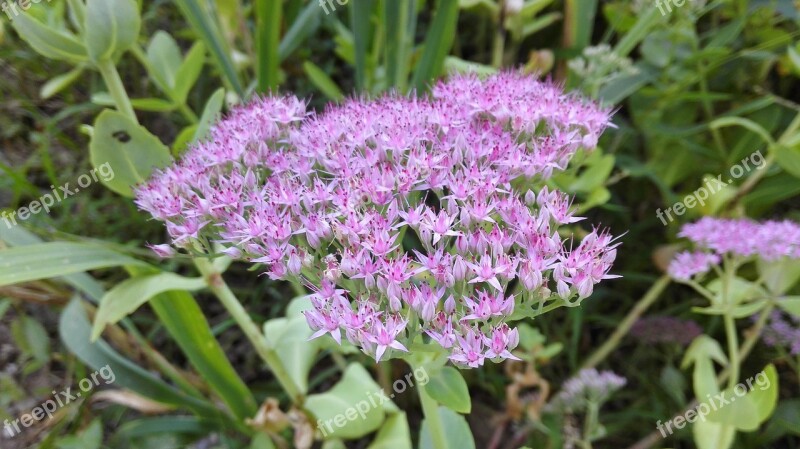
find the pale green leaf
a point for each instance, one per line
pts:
(113, 27)
(129, 295)
(351, 409)
(49, 260)
(459, 435)
(449, 389)
(128, 149)
(394, 434)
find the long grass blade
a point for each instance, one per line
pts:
(359, 23)
(268, 35)
(206, 26)
(438, 42)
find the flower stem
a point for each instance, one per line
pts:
(250, 329)
(622, 329)
(733, 349)
(431, 410)
(116, 89)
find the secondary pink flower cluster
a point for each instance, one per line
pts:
(403, 215)
(716, 237)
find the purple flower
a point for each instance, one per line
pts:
(687, 265)
(783, 330)
(588, 385)
(770, 240)
(665, 329)
(328, 198)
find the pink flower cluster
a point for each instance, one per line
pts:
(405, 216)
(716, 237)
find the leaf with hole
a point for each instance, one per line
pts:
(129, 150)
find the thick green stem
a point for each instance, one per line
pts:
(733, 349)
(250, 329)
(499, 45)
(589, 425)
(622, 329)
(116, 89)
(431, 410)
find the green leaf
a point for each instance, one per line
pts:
(324, 83)
(779, 276)
(165, 60)
(183, 139)
(74, 329)
(700, 353)
(262, 440)
(36, 339)
(89, 438)
(738, 311)
(741, 290)
(129, 150)
(449, 389)
(789, 159)
(454, 64)
(152, 104)
(127, 296)
(790, 304)
(394, 434)
(290, 338)
(459, 435)
(210, 113)
(765, 398)
(18, 236)
(60, 82)
(748, 411)
(744, 123)
(48, 42)
(49, 260)
(351, 409)
(646, 22)
(205, 24)
(621, 87)
(112, 27)
(794, 56)
(189, 71)
(178, 311)
(438, 42)
(710, 435)
(598, 168)
(146, 427)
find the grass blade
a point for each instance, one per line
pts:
(178, 311)
(323, 82)
(205, 25)
(438, 42)
(306, 24)
(400, 27)
(268, 36)
(359, 22)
